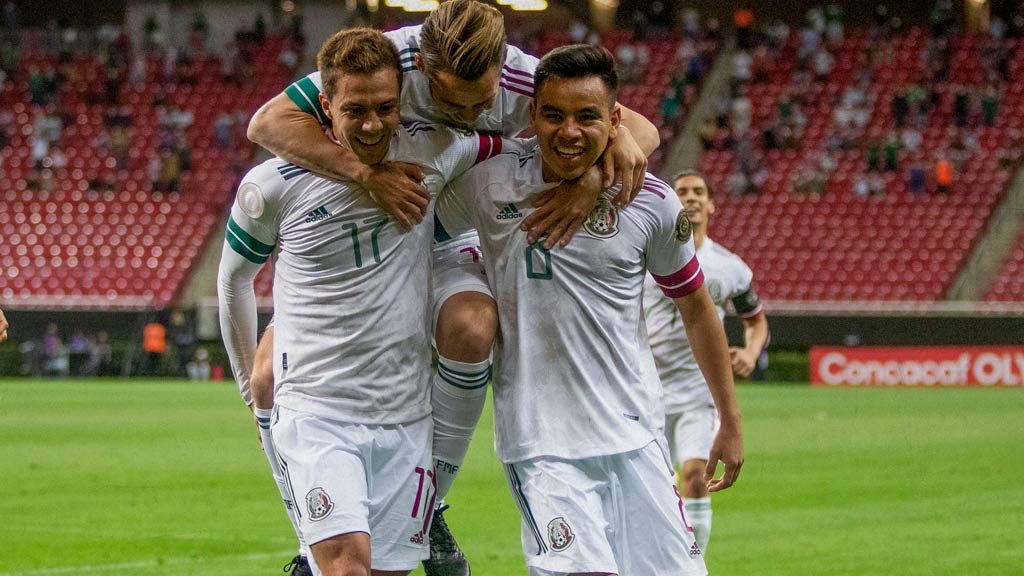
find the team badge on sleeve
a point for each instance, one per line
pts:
(318, 503)
(603, 220)
(683, 229)
(250, 200)
(560, 534)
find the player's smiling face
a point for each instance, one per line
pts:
(364, 112)
(693, 193)
(574, 118)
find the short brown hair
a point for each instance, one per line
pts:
(463, 37)
(692, 172)
(355, 51)
(578, 61)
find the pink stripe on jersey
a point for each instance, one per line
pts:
(656, 187)
(513, 80)
(517, 89)
(490, 146)
(681, 276)
(684, 289)
(523, 73)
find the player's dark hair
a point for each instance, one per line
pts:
(692, 172)
(578, 61)
(355, 51)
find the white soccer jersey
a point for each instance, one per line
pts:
(728, 278)
(509, 115)
(573, 375)
(351, 289)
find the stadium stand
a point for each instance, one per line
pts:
(816, 216)
(97, 147)
(1009, 284)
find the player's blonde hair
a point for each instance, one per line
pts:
(355, 51)
(464, 38)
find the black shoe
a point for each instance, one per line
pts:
(446, 559)
(299, 566)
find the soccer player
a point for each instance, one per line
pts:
(3, 327)
(351, 426)
(691, 419)
(457, 70)
(578, 414)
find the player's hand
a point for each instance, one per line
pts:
(561, 211)
(3, 327)
(397, 187)
(727, 448)
(624, 160)
(742, 362)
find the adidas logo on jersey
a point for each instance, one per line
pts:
(694, 550)
(319, 214)
(509, 212)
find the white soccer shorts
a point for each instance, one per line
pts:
(357, 478)
(458, 266)
(619, 514)
(691, 433)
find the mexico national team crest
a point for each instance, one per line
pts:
(560, 534)
(318, 503)
(603, 221)
(715, 288)
(683, 228)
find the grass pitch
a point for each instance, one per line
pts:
(166, 478)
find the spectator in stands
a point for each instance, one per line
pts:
(183, 337)
(823, 63)
(961, 107)
(743, 20)
(671, 107)
(860, 186)
(170, 171)
(917, 179)
(742, 114)
(54, 355)
(834, 24)
(742, 68)
(78, 352)
(892, 151)
(944, 175)
(154, 346)
(101, 361)
(900, 107)
(222, 131)
(911, 139)
(990, 105)
(199, 367)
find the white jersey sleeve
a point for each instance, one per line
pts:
(671, 255)
(249, 241)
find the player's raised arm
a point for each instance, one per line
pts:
(291, 126)
(710, 348)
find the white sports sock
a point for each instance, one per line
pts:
(263, 418)
(698, 515)
(459, 392)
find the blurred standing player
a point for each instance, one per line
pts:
(578, 413)
(691, 420)
(350, 426)
(457, 70)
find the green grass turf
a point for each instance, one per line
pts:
(166, 478)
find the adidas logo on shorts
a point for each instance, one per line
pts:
(318, 215)
(509, 212)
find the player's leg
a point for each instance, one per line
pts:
(465, 324)
(261, 386)
(693, 434)
(653, 534)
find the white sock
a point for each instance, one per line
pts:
(459, 392)
(263, 418)
(698, 515)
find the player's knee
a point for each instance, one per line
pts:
(466, 327)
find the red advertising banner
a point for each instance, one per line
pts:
(937, 366)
